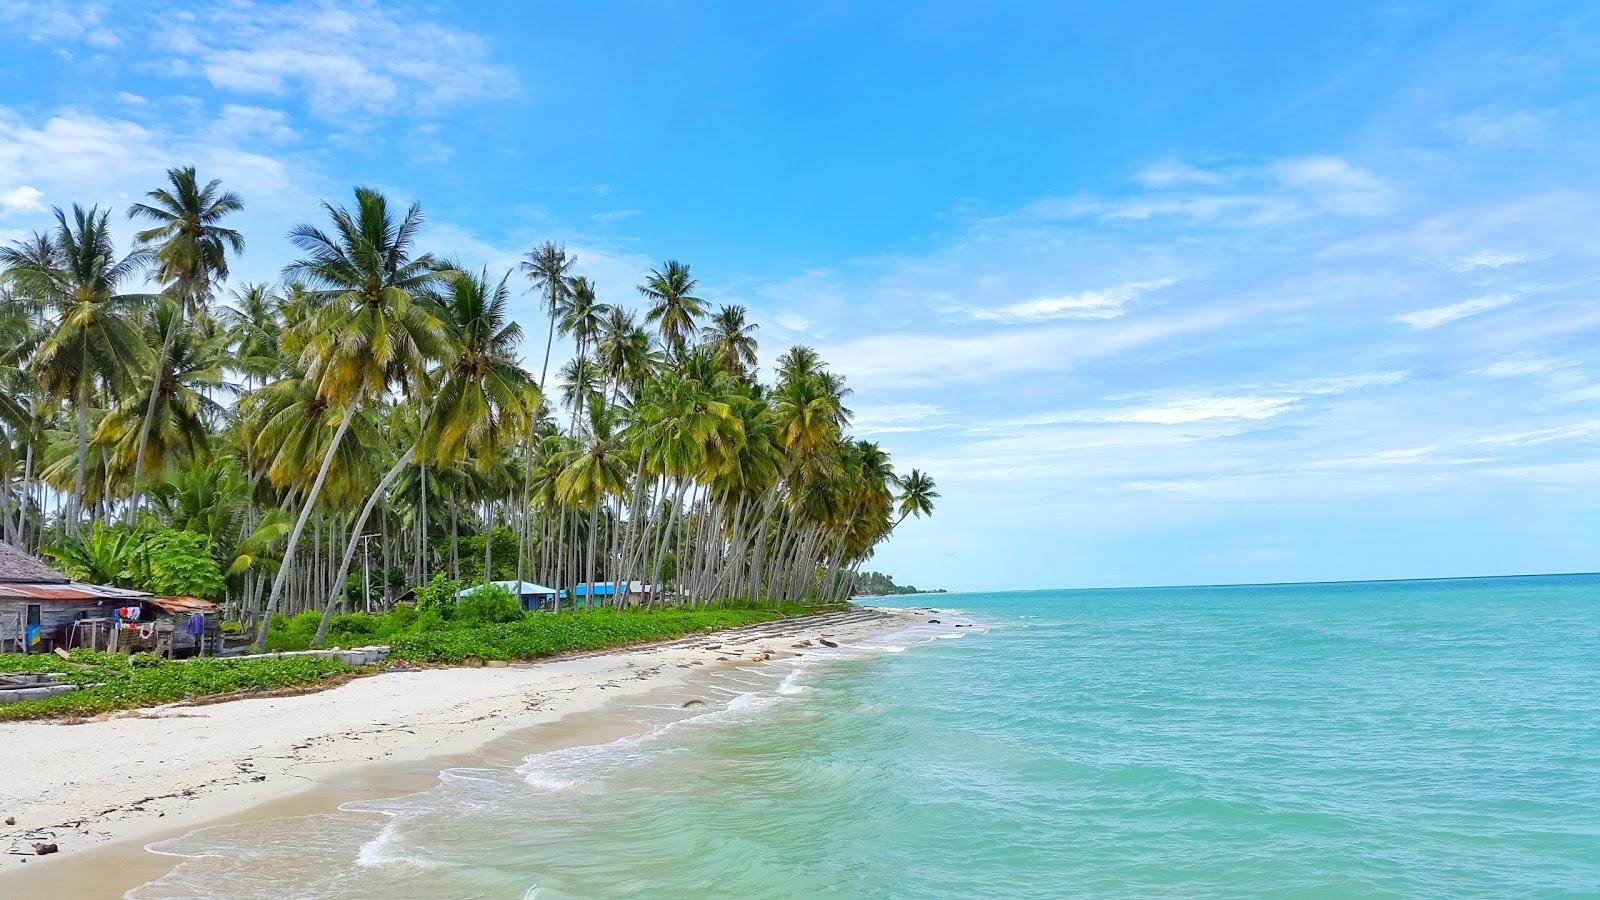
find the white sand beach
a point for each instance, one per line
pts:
(127, 777)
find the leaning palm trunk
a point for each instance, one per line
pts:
(299, 526)
(149, 417)
(666, 536)
(355, 538)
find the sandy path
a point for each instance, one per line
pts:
(150, 771)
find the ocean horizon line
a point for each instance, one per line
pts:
(1235, 584)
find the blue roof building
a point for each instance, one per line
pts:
(531, 596)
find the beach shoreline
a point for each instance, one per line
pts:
(103, 790)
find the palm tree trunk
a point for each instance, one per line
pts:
(594, 526)
(83, 455)
(355, 538)
(488, 542)
(299, 526)
(150, 414)
(27, 493)
(549, 342)
(455, 540)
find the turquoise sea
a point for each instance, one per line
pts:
(1414, 738)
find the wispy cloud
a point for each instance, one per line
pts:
(1246, 404)
(896, 418)
(1567, 432)
(1520, 126)
(1269, 193)
(1543, 368)
(1335, 184)
(1106, 303)
(342, 56)
(914, 360)
(1486, 259)
(1176, 173)
(1433, 317)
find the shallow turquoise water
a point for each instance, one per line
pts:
(1425, 738)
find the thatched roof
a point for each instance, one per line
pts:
(17, 567)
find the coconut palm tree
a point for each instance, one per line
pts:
(595, 469)
(916, 496)
(376, 329)
(674, 309)
(190, 251)
(256, 320)
(624, 353)
(547, 266)
(731, 339)
(76, 275)
(484, 399)
(170, 408)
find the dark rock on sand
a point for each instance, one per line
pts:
(826, 643)
(44, 849)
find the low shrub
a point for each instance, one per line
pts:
(147, 682)
(354, 624)
(542, 634)
(487, 605)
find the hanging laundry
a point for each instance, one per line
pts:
(129, 613)
(197, 625)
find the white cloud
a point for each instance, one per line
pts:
(1487, 259)
(1271, 193)
(794, 322)
(1107, 303)
(344, 57)
(104, 38)
(1544, 368)
(894, 418)
(1197, 409)
(1174, 173)
(1570, 431)
(1248, 404)
(74, 157)
(239, 122)
(22, 199)
(1335, 183)
(1433, 317)
(899, 359)
(49, 20)
(1487, 128)
(1254, 208)
(131, 99)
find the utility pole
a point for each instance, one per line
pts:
(366, 570)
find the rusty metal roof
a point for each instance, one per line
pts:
(67, 591)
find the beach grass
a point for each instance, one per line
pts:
(110, 682)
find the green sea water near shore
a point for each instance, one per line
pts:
(1418, 738)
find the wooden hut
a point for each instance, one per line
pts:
(41, 609)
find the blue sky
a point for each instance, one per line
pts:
(1158, 294)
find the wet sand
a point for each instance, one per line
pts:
(102, 791)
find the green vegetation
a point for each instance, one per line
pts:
(541, 634)
(113, 681)
(366, 423)
(142, 557)
(480, 626)
(877, 584)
